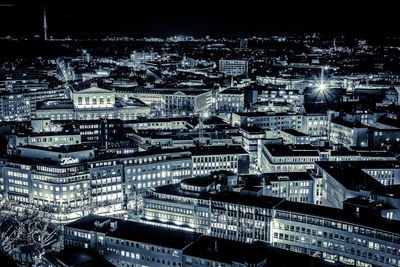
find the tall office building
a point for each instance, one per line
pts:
(233, 67)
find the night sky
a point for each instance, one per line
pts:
(198, 18)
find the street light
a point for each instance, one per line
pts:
(321, 87)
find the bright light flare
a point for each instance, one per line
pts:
(321, 87)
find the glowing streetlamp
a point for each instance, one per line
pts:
(321, 87)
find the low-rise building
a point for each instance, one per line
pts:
(207, 159)
(127, 243)
(92, 104)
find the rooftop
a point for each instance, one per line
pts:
(291, 151)
(348, 124)
(294, 132)
(228, 251)
(262, 114)
(60, 149)
(350, 175)
(93, 90)
(232, 91)
(223, 196)
(74, 256)
(339, 215)
(217, 150)
(134, 231)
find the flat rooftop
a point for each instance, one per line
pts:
(61, 149)
(262, 114)
(75, 256)
(223, 196)
(138, 232)
(350, 175)
(217, 150)
(228, 251)
(288, 151)
(294, 132)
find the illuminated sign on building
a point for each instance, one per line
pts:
(69, 160)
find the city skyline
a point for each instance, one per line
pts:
(193, 134)
(203, 18)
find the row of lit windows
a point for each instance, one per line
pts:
(17, 174)
(94, 100)
(78, 234)
(288, 158)
(57, 188)
(175, 218)
(223, 165)
(58, 180)
(214, 164)
(335, 246)
(57, 170)
(163, 174)
(91, 126)
(150, 184)
(18, 182)
(150, 168)
(331, 236)
(214, 159)
(71, 196)
(337, 225)
(18, 190)
(172, 209)
(105, 181)
(52, 139)
(107, 189)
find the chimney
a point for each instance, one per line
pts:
(113, 226)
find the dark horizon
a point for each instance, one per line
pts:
(198, 19)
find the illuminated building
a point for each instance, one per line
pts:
(291, 136)
(233, 100)
(126, 243)
(148, 169)
(285, 158)
(293, 186)
(92, 104)
(331, 234)
(181, 102)
(207, 159)
(267, 120)
(314, 120)
(233, 67)
(349, 179)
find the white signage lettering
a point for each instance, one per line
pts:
(69, 160)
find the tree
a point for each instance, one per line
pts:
(85, 199)
(342, 138)
(27, 233)
(89, 203)
(135, 202)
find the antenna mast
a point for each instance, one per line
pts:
(44, 24)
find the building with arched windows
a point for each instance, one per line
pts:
(92, 104)
(92, 98)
